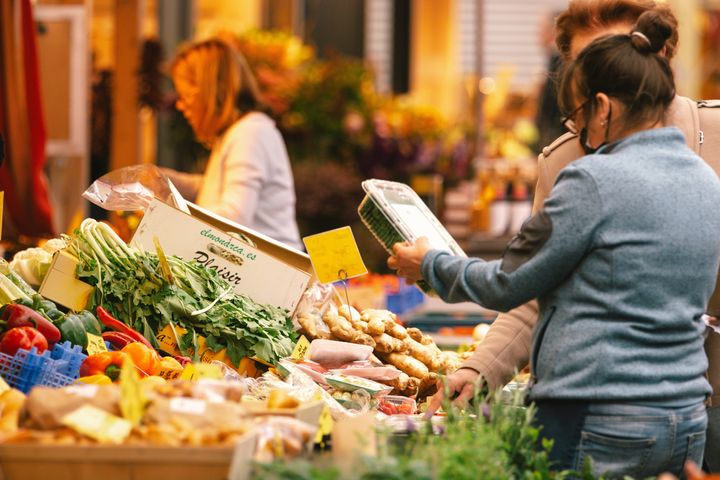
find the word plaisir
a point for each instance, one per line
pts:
(223, 272)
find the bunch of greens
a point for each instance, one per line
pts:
(149, 291)
(495, 439)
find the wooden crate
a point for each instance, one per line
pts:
(41, 462)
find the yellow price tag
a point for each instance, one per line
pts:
(301, 348)
(95, 344)
(325, 424)
(98, 424)
(208, 370)
(189, 372)
(335, 255)
(132, 395)
(4, 387)
(170, 373)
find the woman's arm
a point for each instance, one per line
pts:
(545, 251)
(188, 184)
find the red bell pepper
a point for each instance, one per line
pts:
(183, 360)
(22, 337)
(117, 339)
(114, 324)
(105, 363)
(17, 315)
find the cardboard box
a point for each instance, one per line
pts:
(62, 286)
(91, 462)
(261, 268)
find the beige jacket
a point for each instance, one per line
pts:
(506, 348)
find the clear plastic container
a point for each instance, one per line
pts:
(394, 213)
(396, 405)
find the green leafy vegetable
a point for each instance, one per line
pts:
(130, 285)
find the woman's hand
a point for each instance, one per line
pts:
(462, 382)
(407, 259)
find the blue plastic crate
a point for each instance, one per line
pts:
(27, 369)
(404, 299)
(71, 356)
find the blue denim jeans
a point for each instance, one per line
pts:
(625, 439)
(712, 445)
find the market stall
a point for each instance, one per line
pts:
(211, 353)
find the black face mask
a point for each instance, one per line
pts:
(589, 150)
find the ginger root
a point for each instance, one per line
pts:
(406, 363)
(342, 329)
(404, 385)
(308, 323)
(384, 343)
(375, 320)
(419, 336)
(427, 355)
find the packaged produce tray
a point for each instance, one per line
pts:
(393, 213)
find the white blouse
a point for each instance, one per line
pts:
(248, 179)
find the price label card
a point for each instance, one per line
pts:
(98, 424)
(208, 370)
(189, 372)
(170, 373)
(96, 344)
(325, 425)
(335, 255)
(301, 349)
(132, 396)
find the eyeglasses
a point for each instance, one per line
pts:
(569, 121)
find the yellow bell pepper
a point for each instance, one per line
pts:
(170, 363)
(95, 380)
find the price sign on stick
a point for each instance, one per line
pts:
(96, 344)
(335, 255)
(301, 348)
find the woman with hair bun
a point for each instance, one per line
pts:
(623, 258)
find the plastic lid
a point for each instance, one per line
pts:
(409, 215)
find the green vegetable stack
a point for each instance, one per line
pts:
(149, 293)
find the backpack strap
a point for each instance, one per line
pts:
(708, 132)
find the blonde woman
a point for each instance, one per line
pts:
(248, 178)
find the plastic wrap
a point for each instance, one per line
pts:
(283, 438)
(316, 300)
(304, 388)
(334, 354)
(369, 370)
(132, 188)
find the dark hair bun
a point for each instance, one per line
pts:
(651, 32)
